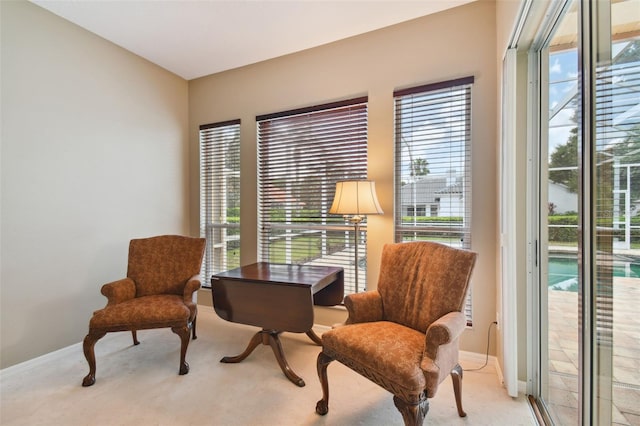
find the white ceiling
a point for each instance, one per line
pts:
(196, 38)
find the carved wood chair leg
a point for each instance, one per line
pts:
(322, 407)
(456, 377)
(184, 334)
(412, 414)
(193, 330)
(87, 346)
(134, 333)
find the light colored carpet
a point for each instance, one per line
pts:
(140, 385)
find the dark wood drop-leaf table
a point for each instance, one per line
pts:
(276, 298)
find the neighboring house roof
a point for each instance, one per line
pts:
(430, 187)
(455, 188)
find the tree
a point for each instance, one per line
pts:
(419, 167)
(628, 151)
(566, 155)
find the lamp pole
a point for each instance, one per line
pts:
(356, 219)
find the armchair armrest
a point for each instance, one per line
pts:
(445, 329)
(190, 287)
(363, 307)
(119, 291)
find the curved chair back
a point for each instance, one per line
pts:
(163, 264)
(422, 281)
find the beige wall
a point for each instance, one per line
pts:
(94, 153)
(455, 43)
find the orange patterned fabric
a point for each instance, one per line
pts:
(391, 350)
(144, 312)
(404, 335)
(420, 282)
(163, 265)
(119, 291)
(163, 274)
(363, 307)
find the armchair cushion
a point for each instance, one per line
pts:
(141, 313)
(392, 361)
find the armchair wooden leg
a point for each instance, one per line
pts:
(456, 377)
(87, 346)
(134, 333)
(322, 407)
(184, 334)
(193, 329)
(412, 414)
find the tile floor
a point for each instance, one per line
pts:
(625, 355)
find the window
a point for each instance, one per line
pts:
(220, 196)
(301, 156)
(433, 164)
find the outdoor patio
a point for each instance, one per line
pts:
(563, 354)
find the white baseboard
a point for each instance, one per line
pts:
(479, 358)
(522, 385)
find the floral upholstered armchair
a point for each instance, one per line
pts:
(162, 275)
(404, 335)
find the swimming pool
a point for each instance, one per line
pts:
(563, 271)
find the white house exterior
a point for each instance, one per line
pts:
(434, 196)
(562, 199)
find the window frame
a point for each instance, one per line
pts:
(331, 139)
(416, 102)
(216, 177)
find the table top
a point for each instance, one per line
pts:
(278, 273)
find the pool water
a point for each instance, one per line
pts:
(563, 272)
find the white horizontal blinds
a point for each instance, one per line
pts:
(220, 196)
(301, 156)
(433, 164)
(617, 172)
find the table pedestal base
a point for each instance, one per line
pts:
(272, 338)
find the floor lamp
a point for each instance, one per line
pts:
(354, 199)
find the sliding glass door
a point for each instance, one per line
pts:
(559, 290)
(614, 296)
(587, 65)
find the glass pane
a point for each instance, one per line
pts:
(559, 294)
(433, 157)
(300, 159)
(616, 194)
(220, 197)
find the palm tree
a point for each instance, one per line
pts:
(419, 167)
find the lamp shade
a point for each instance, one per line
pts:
(355, 197)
